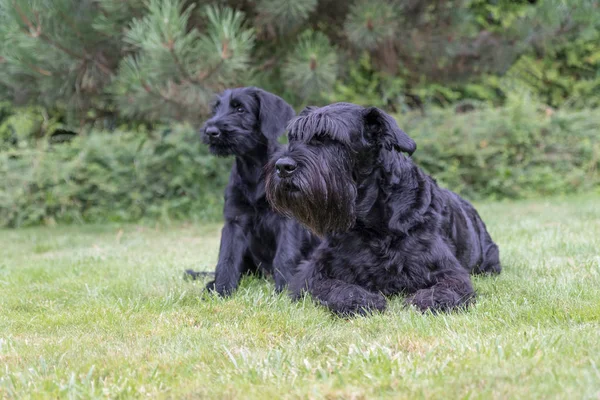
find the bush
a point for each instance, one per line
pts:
(121, 176)
(517, 151)
(21, 125)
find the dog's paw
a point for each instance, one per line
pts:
(436, 299)
(210, 286)
(375, 302)
(220, 290)
(360, 302)
(280, 287)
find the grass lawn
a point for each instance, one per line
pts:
(102, 311)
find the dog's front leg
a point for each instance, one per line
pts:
(230, 266)
(340, 297)
(283, 268)
(451, 288)
(347, 299)
(287, 255)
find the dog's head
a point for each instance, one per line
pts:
(332, 151)
(244, 119)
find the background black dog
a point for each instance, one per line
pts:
(246, 123)
(388, 227)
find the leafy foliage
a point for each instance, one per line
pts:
(117, 177)
(520, 150)
(51, 52)
(370, 24)
(311, 67)
(163, 60)
(86, 67)
(365, 85)
(166, 64)
(284, 15)
(568, 76)
(133, 59)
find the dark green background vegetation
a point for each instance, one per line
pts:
(99, 99)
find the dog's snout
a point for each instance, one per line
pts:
(285, 167)
(212, 131)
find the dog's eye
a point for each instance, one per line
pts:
(317, 140)
(237, 107)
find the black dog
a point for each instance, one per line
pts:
(388, 227)
(246, 123)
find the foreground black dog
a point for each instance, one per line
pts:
(388, 227)
(246, 124)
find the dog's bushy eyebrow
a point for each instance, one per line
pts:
(337, 126)
(242, 99)
(235, 100)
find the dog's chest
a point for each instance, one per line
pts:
(248, 206)
(377, 264)
(263, 234)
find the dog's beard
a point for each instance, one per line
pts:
(220, 150)
(321, 194)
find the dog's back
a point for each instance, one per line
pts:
(474, 247)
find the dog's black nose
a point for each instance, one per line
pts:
(285, 167)
(212, 131)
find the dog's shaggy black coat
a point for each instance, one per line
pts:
(387, 226)
(246, 123)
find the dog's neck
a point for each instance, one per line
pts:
(395, 196)
(250, 168)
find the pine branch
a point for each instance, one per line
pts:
(163, 96)
(36, 32)
(204, 76)
(71, 24)
(39, 70)
(267, 64)
(311, 68)
(185, 76)
(193, 64)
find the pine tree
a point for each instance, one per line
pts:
(174, 71)
(453, 42)
(283, 15)
(311, 66)
(52, 54)
(153, 60)
(97, 58)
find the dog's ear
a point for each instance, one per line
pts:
(382, 127)
(273, 113)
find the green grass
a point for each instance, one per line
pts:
(102, 311)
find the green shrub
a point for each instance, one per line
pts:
(111, 177)
(20, 125)
(364, 85)
(520, 150)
